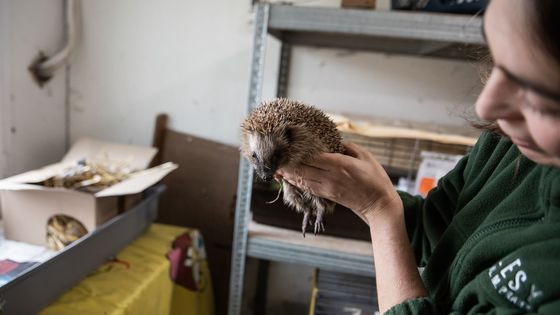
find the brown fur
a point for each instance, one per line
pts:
(285, 132)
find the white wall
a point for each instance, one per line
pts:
(397, 87)
(139, 58)
(191, 59)
(32, 129)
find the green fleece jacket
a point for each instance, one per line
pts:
(488, 236)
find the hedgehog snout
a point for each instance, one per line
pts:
(265, 175)
(268, 177)
(267, 172)
(267, 169)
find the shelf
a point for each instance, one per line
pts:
(418, 33)
(325, 252)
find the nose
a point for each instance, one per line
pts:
(500, 98)
(268, 177)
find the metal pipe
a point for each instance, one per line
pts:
(44, 67)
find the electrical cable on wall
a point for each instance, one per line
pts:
(44, 67)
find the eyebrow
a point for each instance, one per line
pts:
(530, 85)
(520, 81)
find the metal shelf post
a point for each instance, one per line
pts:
(245, 179)
(284, 70)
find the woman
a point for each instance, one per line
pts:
(489, 234)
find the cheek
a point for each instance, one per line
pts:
(546, 134)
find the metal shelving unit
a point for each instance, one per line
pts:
(415, 33)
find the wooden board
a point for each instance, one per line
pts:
(455, 135)
(201, 194)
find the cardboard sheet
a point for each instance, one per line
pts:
(137, 157)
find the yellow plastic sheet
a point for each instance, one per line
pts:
(138, 282)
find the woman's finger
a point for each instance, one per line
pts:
(351, 149)
(312, 179)
(319, 163)
(357, 151)
(329, 161)
(304, 173)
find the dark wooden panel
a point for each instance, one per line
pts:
(201, 194)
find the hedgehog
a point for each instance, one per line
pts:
(285, 132)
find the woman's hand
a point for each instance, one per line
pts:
(356, 181)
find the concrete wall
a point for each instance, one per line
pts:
(32, 124)
(396, 87)
(191, 59)
(138, 58)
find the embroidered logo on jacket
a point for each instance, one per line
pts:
(512, 282)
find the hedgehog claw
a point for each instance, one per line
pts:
(319, 227)
(305, 222)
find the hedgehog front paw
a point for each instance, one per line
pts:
(319, 226)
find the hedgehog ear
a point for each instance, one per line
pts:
(291, 133)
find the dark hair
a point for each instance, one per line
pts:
(546, 22)
(545, 19)
(485, 65)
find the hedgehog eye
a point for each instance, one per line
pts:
(255, 156)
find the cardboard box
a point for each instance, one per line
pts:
(27, 206)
